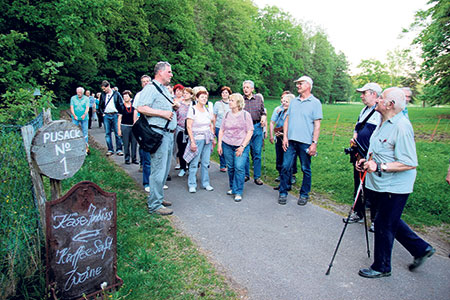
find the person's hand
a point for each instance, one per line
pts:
(176, 106)
(219, 149)
(271, 139)
(75, 117)
(239, 151)
(214, 143)
(168, 115)
(278, 134)
(360, 165)
(193, 147)
(119, 132)
(285, 143)
(370, 166)
(312, 149)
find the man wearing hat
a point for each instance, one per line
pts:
(302, 125)
(368, 120)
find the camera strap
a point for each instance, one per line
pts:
(361, 125)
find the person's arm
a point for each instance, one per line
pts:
(73, 112)
(86, 112)
(189, 123)
(135, 116)
(448, 175)
(219, 142)
(395, 166)
(263, 115)
(313, 147)
(119, 122)
(271, 127)
(285, 133)
(244, 144)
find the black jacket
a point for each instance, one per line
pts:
(116, 97)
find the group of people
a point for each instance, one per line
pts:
(383, 143)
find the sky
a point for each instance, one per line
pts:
(361, 29)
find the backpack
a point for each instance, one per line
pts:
(193, 112)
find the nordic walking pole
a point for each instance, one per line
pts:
(365, 224)
(348, 217)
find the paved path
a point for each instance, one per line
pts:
(283, 252)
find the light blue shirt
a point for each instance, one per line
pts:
(150, 96)
(391, 141)
(278, 116)
(220, 109)
(302, 114)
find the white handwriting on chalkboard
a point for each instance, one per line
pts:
(86, 235)
(73, 220)
(61, 135)
(76, 277)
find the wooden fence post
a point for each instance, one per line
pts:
(435, 128)
(335, 126)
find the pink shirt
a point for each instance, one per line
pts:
(235, 127)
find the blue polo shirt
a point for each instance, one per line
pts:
(302, 114)
(151, 97)
(393, 141)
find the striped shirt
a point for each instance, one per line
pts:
(255, 106)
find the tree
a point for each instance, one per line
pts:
(342, 84)
(435, 42)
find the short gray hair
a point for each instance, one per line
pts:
(289, 97)
(161, 65)
(239, 100)
(251, 83)
(396, 96)
(80, 88)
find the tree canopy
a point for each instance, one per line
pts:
(57, 45)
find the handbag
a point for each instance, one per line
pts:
(148, 139)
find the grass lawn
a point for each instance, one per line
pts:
(332, 177)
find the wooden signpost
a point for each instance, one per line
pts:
(81, 242)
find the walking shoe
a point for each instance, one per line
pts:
(418, 261)
(223, 170)
(372, 227)
(163, 211)
(140, 169)
(177, 167)
(169, 178)
(165, 187)
(135, 162)
(369, 273)
(276, 188)
(147, 189)
(119, 153)
(209, 188)
(182, 173)
(109, 153)
(127, 162)
(278, 179)
(88, 151)
(230, 192)
(247, 178)
(258, 181)
(302, 200)
(192, 190)
(166, 203)
(237, 198)
(282, 199)
(354, 218)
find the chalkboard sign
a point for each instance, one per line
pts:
(59, 149)
(81, 242)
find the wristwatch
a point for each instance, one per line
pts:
(384, 167)
(314, 142)
(378, 171)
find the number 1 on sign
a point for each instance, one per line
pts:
(65, 165)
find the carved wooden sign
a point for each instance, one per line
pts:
(59, 149)
(81, 242)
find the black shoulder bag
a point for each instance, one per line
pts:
(149, 140)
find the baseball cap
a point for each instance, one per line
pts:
(305, 78)
(370, 86)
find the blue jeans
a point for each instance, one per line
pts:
(389, 225)
(204, 153)
(223, 163)
(129, 141)
(146, 165)
(256, 144)
(161, 160)
(84, 128)
(110, 121)
(279, 154)
(296, 148)
(236, 167)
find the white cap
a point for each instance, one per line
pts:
(371, 86)
(307, 79)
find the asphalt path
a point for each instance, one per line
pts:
(282, 252)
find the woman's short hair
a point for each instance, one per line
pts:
(199, 93)
(178, 86)
(197, 89)
(239, 100)
(189, 90)
(289, 97)
(127, 92)
(226, 88)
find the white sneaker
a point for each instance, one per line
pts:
(165, 187)
(209, 188)
(177, 167)
(192, 190)
(238, 198)
(182, 173)
(147, 189)
(230, 192)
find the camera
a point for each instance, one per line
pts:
(349, 150)
(354, 150)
